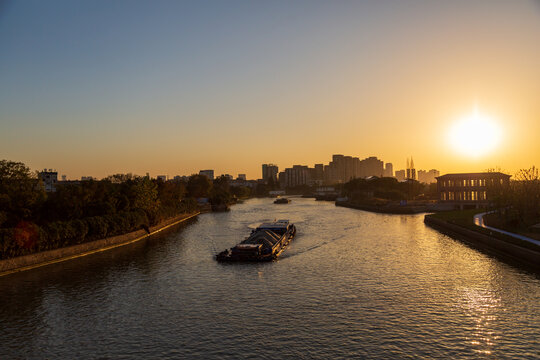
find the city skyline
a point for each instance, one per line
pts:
(366, 167)
(173, 88)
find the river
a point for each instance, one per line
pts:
(352, 284)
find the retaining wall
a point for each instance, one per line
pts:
(517, 253)
(43, 258)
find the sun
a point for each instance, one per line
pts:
(475, 135)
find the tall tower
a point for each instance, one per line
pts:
(411, 171)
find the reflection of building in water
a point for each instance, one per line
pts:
(471, 189)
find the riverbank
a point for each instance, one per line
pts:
(387, 208)
(460, 226)
(27, 262)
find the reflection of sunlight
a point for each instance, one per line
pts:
(475, 135)
(481, 305)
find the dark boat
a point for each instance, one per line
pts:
(282, 201)
(265, 243)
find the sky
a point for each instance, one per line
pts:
(93, 88)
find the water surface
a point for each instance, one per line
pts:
(352, 284)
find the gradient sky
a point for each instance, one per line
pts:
(171, 87)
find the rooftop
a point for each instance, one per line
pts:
(485, 174)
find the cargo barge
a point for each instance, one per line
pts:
(265, 243)
(282, 201)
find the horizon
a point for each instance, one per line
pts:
(95, 89)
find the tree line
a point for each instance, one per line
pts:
(518, 204)
(32, 220)
(360, 190)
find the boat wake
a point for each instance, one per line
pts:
(313, 247)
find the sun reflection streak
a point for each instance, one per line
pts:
(480, 306)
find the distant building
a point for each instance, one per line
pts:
(411, 171)
(50, 179)
(182, 178)
(400, 175)
(87, 178)
(389, 170)
(318, 172)
(241, 177)
(470, 189)
(428, 177)
(208, 173)
(162, 177)
(64, 178)
(270, 171)
(345, 168)
(295, 176)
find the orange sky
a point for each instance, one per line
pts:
(164, 91)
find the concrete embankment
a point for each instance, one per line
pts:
(521, 255)
(43, 258)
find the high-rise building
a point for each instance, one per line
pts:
(389, 170)
(411, 171)
(318, 172)
(428, 177)
(295, 176)
(208, 173)
(400, 175)
(371, 166)
(345, 168)
(269, 171)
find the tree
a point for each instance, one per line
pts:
(20, 193)
(525, 197)
(145, 195)
(199, 186)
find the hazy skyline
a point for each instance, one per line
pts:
(96, 88)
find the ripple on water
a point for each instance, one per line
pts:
(352, 284)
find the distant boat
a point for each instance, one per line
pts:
(265, 243)
(282, 201)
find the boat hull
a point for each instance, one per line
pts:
(229, 256)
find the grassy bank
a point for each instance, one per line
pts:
(464, 218)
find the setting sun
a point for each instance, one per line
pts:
(475, 135)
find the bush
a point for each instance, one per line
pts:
(97, 227)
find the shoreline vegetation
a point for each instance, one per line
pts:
(33, 221)
(39, 259)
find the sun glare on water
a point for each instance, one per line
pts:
(475, 135)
